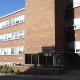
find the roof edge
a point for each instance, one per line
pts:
(12, 13)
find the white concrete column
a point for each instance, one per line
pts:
(54, 60)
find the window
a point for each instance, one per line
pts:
(0, 37)
(9, 36)
(22, 18)
(5, 50)
(21, 34)
(7, 23)
(0, 25)
(73, 3)
(16, 50)
(5, 37)
(27, 59)
(21, 49)
(70, 24)
(69, 3)
(16, 35)
(13, 35)
(10, 22)
(2, 50)
(9, 50)
(76, 3)
(3, 24)
(17, 20)
(77, 23)
(13, 21)
(12, 50)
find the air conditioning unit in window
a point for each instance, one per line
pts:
(74, 26)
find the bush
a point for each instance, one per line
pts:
(17, 71)
(6, 69)
(1, 67)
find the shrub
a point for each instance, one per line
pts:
(6, 69)
(17, 71)
(1, 67)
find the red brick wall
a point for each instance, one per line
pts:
(40, 25)
(11, 58)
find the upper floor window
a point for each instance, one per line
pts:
(21, 34)
(12, 36)
(73, 24)
(21, 49)
(12, 21)
(73, 3)
(5, 50)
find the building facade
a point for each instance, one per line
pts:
(32, 30)
(45, 32)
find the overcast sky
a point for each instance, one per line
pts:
(8, 6)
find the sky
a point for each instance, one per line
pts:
(8, 6)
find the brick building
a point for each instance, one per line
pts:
(48, 29)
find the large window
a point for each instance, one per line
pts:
(27, 59)
(12, 50)
(7, 23)
(77, 46)
(21, 49)
(9, 36)
(2, 51)
(13, 21)
(73, 3)
(69, 24)
(22, 18)
(9, 51)
(17, 20)
(0, 37)
(5, 51)
(73, 24)
(12, 36)
(0, 25)
(21, 34)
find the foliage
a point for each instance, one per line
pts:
(17, 71)
(6, 69)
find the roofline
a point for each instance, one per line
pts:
(12, 13)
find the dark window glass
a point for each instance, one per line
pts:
(34, 59)
(27, 59)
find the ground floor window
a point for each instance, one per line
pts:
(27, 59)
(41, 59)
